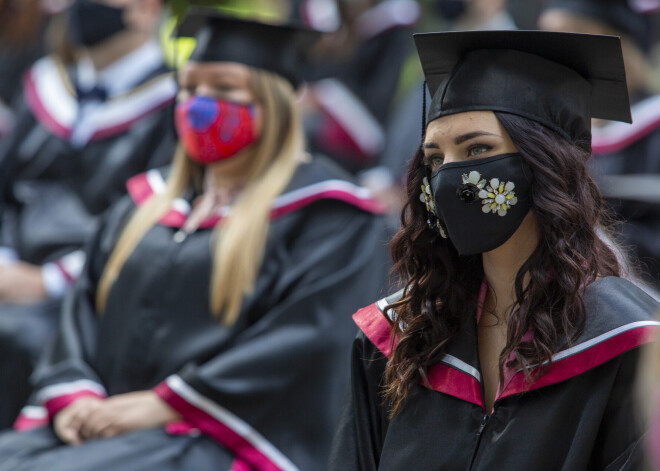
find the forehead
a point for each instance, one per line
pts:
(461, 123)
(215, 69)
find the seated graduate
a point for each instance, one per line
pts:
(80, 132)
(515, 340)
(211, 326)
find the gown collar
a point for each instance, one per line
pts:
(301, 192)
(51, 98)
(618, 320)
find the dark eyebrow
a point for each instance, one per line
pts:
(472, 135)
(460, 139)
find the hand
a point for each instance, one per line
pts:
(21, 282)
(67, 422)
(127, 412)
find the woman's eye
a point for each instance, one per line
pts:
(224, 88)
(478, 149)
(433, 162)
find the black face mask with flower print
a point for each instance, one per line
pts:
(482, 202)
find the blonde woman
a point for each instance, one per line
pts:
(211, 325)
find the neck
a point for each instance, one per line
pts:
(228, 175)
(116, 47)
(502, 265)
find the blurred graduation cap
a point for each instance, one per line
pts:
(221, 38)
(629, 17)
(560, 80)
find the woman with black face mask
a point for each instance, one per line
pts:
(515, 338)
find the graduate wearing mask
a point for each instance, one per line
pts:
(515, 341)
(80, 132)
(211, 326)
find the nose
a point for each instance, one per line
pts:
(451, 157)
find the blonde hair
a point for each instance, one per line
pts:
(238, 240)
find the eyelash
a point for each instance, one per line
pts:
(486, 148)
(428, 161)
(221, 88)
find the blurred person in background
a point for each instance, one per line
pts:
(211, 326)
(80, 132)
(627, 157)
(354, 73)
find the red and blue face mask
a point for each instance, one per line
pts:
(212, 130)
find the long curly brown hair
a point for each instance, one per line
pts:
(441, 286)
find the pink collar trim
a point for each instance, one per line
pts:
(456, 378)
(142, 186)
(616, 136)
(51, 99)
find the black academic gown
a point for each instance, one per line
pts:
(577, 416)
(626, 158)
(51, 192)
(263, 394)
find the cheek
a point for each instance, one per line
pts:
(182, 95)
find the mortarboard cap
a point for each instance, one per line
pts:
(560, 80)
(629, 17)
(220, 38)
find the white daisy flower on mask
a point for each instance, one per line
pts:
(497, 197)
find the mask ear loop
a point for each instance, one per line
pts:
(427, 195)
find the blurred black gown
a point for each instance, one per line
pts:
(262, 394)
(577, 416)
(52, 191)
(626, 165)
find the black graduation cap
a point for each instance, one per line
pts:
(621, 15)
(558, 79)
(221, 38)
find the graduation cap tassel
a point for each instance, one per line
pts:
(423, 109)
